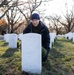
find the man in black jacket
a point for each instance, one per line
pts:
(36, 26)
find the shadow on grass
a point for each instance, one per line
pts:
(55, 54)
(55, 58)
(5, 44)
(9, 52)
(57, 44)
(64, 40)
(2, 69)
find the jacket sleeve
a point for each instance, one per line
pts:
(46, 39)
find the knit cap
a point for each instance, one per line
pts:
(35, 16)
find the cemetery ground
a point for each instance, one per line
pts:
(60, 61)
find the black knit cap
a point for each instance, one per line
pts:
(35, 16)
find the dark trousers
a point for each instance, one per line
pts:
(45, 55)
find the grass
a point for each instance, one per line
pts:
(60, 60)
(9, 60)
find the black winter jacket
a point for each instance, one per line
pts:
(43, 30)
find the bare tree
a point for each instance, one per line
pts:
(53, 20)
(68, 22)
(26, 8)
(13, 16)
(3, 4)
(6, 5)
(29, 7)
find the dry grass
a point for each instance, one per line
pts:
(60, 61)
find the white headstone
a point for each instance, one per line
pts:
(69, 35)
(31, 53)
(12, 40)
(73, 38)
(50, 45)
(52, 38)
(6, 37)
(20, 36)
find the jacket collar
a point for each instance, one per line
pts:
(41, 26)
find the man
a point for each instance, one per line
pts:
(36, 26)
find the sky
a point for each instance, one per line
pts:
(57, 6)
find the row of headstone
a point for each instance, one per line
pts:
(31, 50)
(12, 39)
(52, 38)
(60, 36)
(70, 36)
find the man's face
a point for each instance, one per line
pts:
(35, 22)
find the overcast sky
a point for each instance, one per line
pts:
(58, 6)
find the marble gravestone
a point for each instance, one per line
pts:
(52, 38)
(73, 38)
(20, 36)
(31, 53)
(6, 38)
(13, 40)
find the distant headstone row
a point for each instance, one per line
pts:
(70, 36)
(12, 39)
